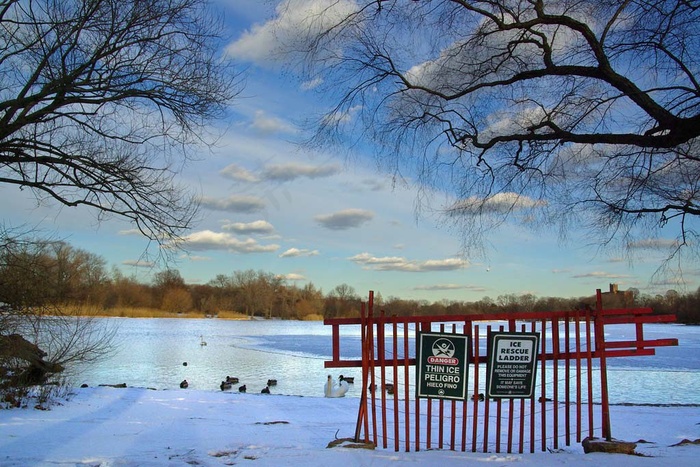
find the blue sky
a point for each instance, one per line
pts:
(330, 218)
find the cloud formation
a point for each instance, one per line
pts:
(346, 219)
(138, 263)
(295, 22)
(296, 252)
(268, 125)
(500, 203)
(256, 227)
(130, 232)
(287, 172)
(654, 243)
(600, 275)
(279, 172)
(293, 277)
(208, 240)
(235, 203)
(398, 263)
(438, 287)
(235, 172)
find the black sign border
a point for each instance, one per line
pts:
(419, 357)
(491, 360)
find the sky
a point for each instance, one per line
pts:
(140, 427)
(331, 218)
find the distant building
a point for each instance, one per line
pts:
(618, 299)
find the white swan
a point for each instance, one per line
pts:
(331, 390)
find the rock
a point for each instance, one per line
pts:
(35, 370)
(351, 444)
(686, 441)
(612, 447)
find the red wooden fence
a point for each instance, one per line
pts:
(566, 406)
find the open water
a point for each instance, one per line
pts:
(153, 352)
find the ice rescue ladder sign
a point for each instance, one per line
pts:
(512, 364)
(442, 365)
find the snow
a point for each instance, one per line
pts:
(105, 426)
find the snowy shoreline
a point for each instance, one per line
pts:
(107, 426)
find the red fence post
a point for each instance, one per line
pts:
(600, 350)
(475, 417)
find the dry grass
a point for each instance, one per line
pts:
(127, 312)
(312, 317)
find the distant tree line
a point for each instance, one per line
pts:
(41, 273)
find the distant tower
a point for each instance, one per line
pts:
(613, 288)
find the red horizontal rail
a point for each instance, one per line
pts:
(641, 344)
(645, 314)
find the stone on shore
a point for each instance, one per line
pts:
(613, 446)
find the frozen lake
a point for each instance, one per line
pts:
(152, 352)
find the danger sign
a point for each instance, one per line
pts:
(442, 363)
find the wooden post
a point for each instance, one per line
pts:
(600, 350)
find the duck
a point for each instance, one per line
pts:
(225, 385)
(479, 396)
(331, 390)
(232, 379)
(348, 379)
(184, 384)
(388, 387)
(242, 388)
(265, 390)
(202, 342)
(272, 382)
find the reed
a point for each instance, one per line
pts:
(141, 312)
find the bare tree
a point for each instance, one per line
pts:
(101, 100)
(39, 337)
(584, 112)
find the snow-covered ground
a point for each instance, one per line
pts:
(107, 426)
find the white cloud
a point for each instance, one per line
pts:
(240, 204)
(439, 287)
(238, 173)
(138, 263)
(312, 84)
(294, 277)
(269, 125)
(615, 260)
(130, 232)
(398, 263)
(672, 282)
(499, 203)
(600, 275)
(208, 240)
(296, 252)
(287, 172)
(280, 172)
(295, 22)
(654, 243)
(342, 117)
(256, 227)
(346, 219)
